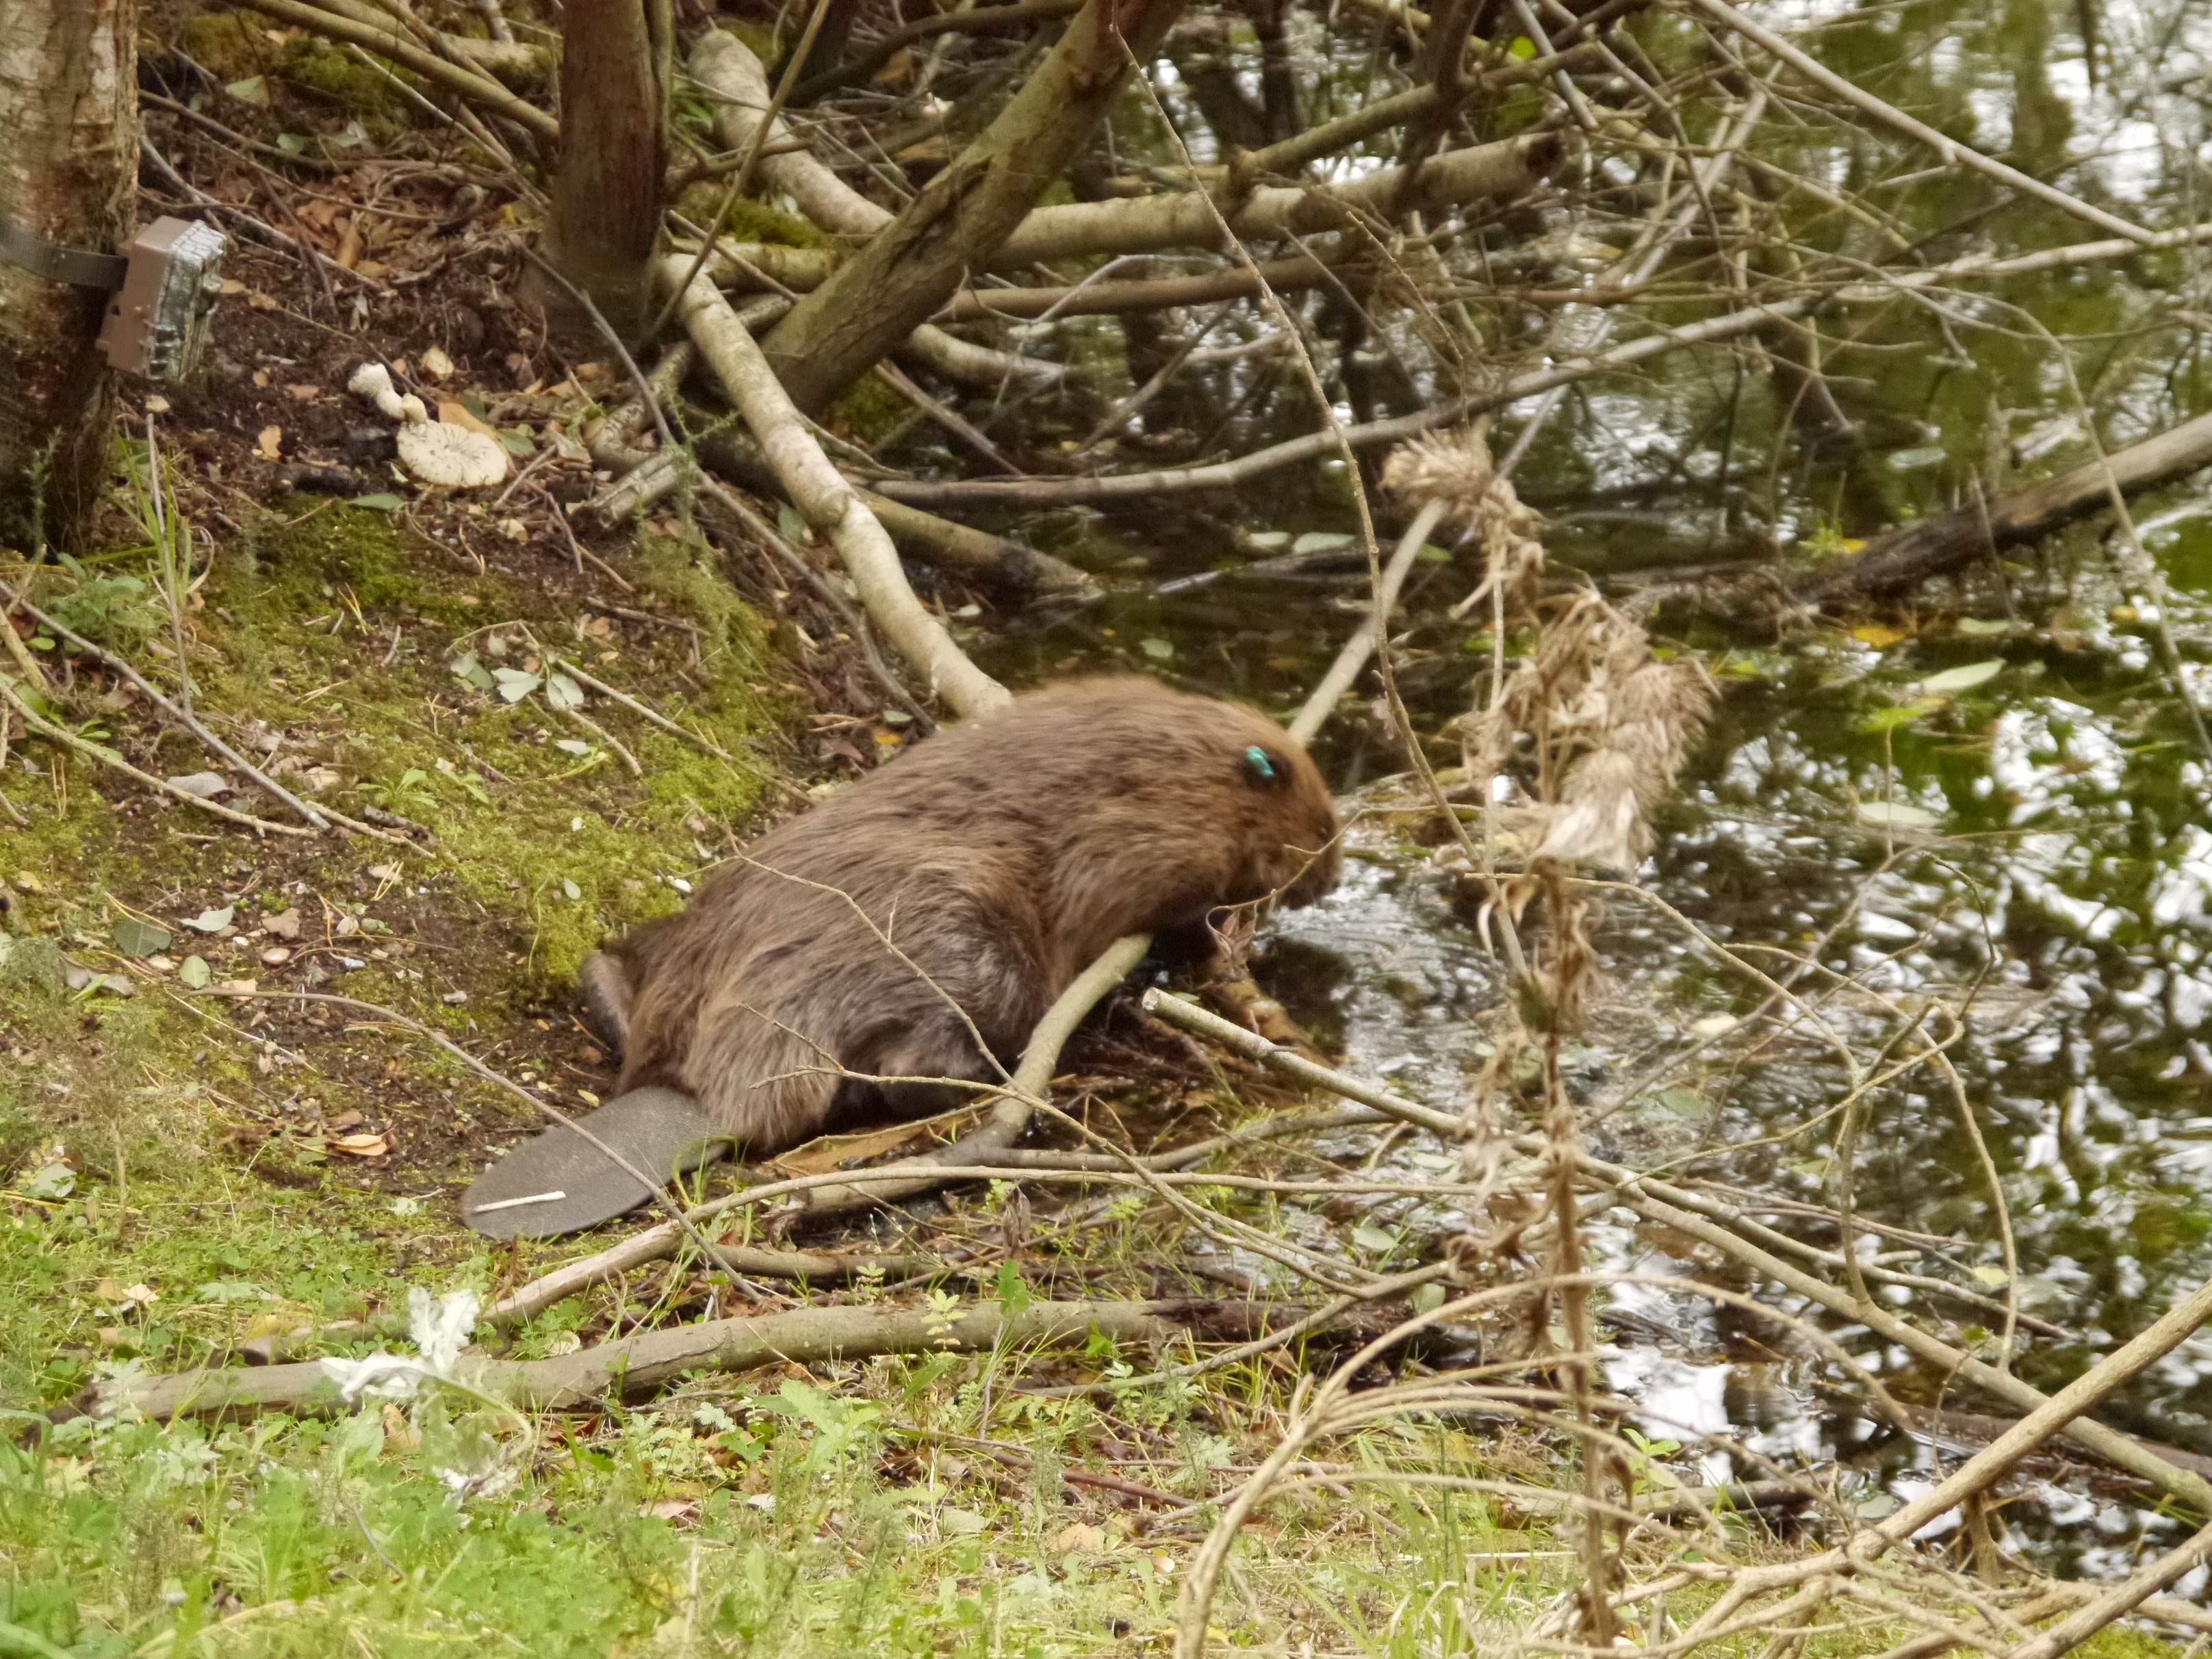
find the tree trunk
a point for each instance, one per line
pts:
(919, 261)
(606, 199)
(69, 174)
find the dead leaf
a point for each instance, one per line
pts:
(259, 301)
(1880, 635)
(271, 443)
(238, 988)
(436, 364)
(285, 924)
(346, 1120)
(828, 1152)
(453, 413)
(1078, 1535)
(301, 392)
(361, 1146)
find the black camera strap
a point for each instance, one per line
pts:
(57, 263)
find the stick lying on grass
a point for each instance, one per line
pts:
(1008, 1118)
(317, 816)
(46, 728)
(635, 1366)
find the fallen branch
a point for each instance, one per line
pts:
(828, 502)
(316, 816)
(662, 1240)
(1009, 570)
(726, 67)
(914, 264)
(636, 1366)
(386, 41)
(1104, 299)
(1009, 1116)
(1373, 629)
(1899, 560)
(509, 59)
(46, 728)
(519, 1307)
(1486, 172)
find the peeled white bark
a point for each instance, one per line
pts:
(830, 504)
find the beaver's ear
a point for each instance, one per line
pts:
(1264, 770)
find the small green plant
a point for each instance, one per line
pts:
(106, 609)
(407, 795)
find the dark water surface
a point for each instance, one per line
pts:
(2033, 849)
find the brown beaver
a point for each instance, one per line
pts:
(954, 894)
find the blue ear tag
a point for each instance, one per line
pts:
(1256, 758)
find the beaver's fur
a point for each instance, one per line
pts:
(976, 875)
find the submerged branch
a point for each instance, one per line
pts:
(1899, 559)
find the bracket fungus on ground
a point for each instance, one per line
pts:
(436, 451)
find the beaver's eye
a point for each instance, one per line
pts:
(1264, 768)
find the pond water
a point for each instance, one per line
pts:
(2034, 846)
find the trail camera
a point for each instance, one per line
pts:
(157, 320)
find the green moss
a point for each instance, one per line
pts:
(554, 849)
(749, 219)
(869, 411)
(234, 45)
(538, 853)
(681, 568)
(346, 81)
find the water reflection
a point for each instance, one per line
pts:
(2032, 850)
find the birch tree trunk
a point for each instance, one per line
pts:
(875, 299)
(69, 174)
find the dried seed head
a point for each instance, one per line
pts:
(1451, 467)
(1454, 468)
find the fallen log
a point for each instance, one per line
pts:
(633, 1367)
(1011, 571)
(1899, 560)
